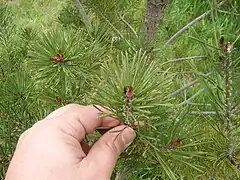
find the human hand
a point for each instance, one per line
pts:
(53, 149)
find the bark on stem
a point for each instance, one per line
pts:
(154, 13)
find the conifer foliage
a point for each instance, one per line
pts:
(181, 96)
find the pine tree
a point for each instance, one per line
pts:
(181, 97)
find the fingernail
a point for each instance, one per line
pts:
(128, 136)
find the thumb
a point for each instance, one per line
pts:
(104, 153)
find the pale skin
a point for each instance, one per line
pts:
(53, 149)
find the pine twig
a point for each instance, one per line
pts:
(128, 25)
(197, 104)
(202, 113)
(228, 104)
(187, 101)
(181, 31)
(175, 93)
(128, 98)
(175, 36)
(83, 15)
(229, 117)
(185, 58)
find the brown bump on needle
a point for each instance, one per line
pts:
(174, 144)
(58, 99)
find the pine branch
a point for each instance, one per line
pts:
(181, 31)
(175, 93)
(84, 15)
(184, 59)
(128, 25)
(202, 112)
(188, 101)
(154, 14)
(227, 62)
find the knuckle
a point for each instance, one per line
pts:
(73, 106)
(23, 136)
(112, 147)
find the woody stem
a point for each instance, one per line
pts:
(228, 106)
(127, 109)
